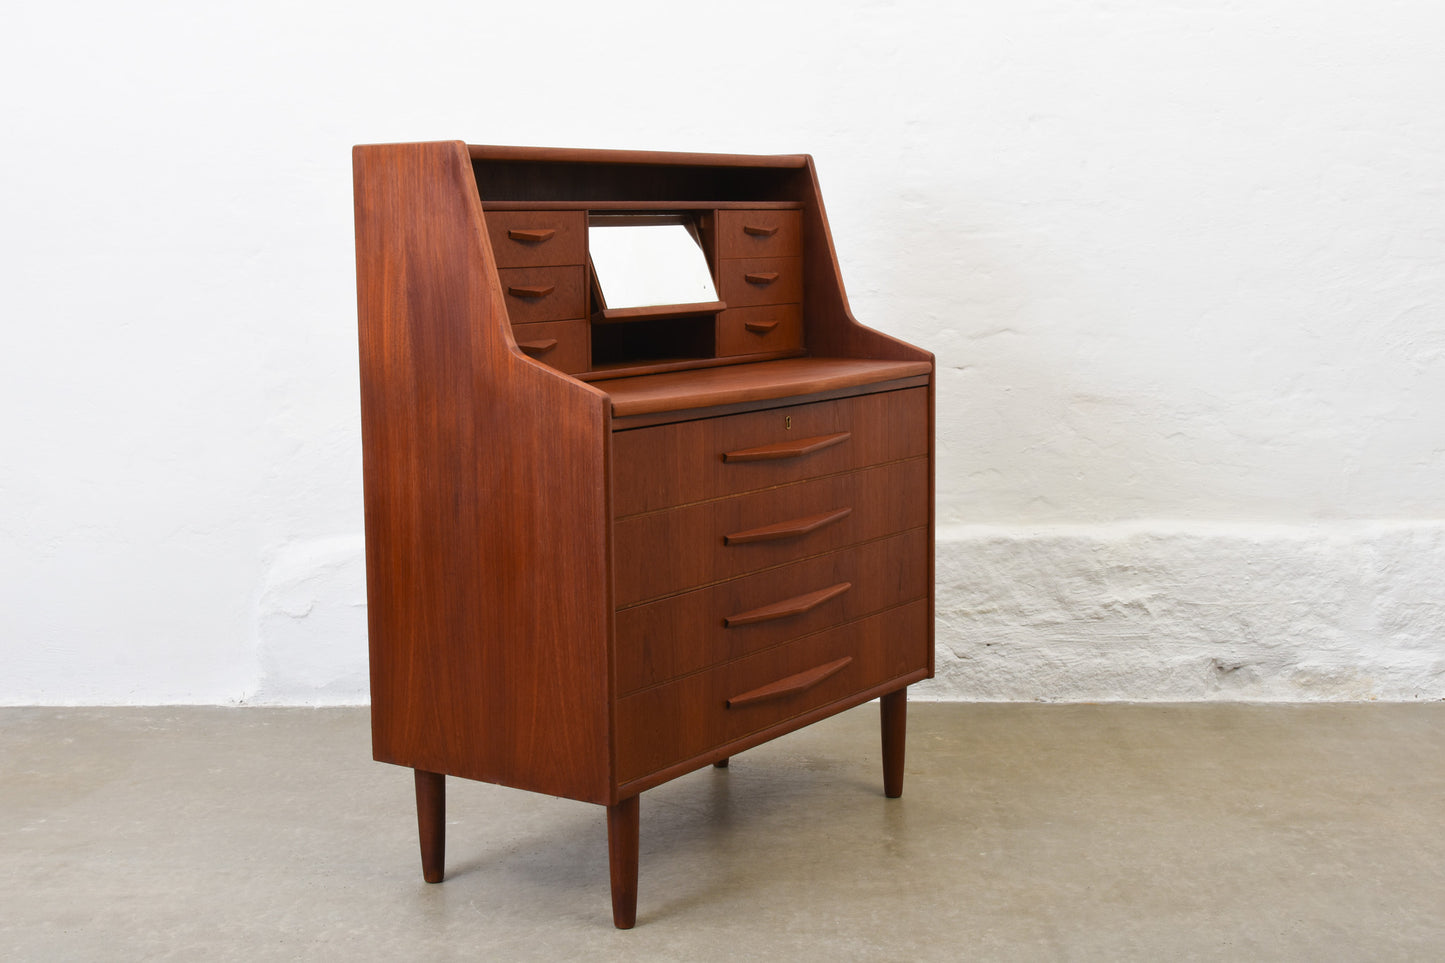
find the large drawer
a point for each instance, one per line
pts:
(662, 640)
(533, 238)
(665, 552)
(672, 723)
(667, 465)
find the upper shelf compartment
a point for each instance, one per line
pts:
(601, 177)
(761, 227)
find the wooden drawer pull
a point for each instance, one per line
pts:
(796, 605)
(537, 347)
(761, 277)
(792, 685)
(531, 237)
(789, 529)
(760, 327)
(756, 231)
(531, 291)
(787, 449)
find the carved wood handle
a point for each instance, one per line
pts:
(537, 347)
(787, 449)
(760, 327)
(789, 529)
(792, 685)
(796, 605)
(531, 290)
(761, 277)
(530, 236)
(756, 231)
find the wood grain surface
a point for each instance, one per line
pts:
(762, 381)
(665, 552)
(588, 589)
(675, 464)
(474, 672)
(685, 633)
(671, 723)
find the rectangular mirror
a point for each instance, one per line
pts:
(646, 261)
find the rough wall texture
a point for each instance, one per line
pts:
(1182, 264)
(311, 626)
(1191, 612)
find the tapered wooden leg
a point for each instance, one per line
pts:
(622, 841)
(431, 822)
(720, 764)
(893, 714)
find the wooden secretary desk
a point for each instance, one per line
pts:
(607, 546)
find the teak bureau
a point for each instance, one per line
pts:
(607, 546)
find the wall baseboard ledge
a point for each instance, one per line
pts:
(1182, 611)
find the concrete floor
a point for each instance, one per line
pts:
(1026, 832)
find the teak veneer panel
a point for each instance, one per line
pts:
(451, 472)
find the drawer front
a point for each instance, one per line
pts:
(545, 293)
(665, 552)
(538, 238)
(672, 723)
(773, 327)
(667, 465)
(760, 233)
(685, 633)
(761, 280)
(561, 344)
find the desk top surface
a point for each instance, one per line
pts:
(733, 384)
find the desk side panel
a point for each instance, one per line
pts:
(486, 502)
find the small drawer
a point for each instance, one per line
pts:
(666, 465)
(761, 280)
(561, 344)
(760, 233)
(773, 327)
(666, 552)
(672, 637)
(545, 293)
(670, 724)
(538, 238)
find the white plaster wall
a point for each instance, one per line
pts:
(1183, 265)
